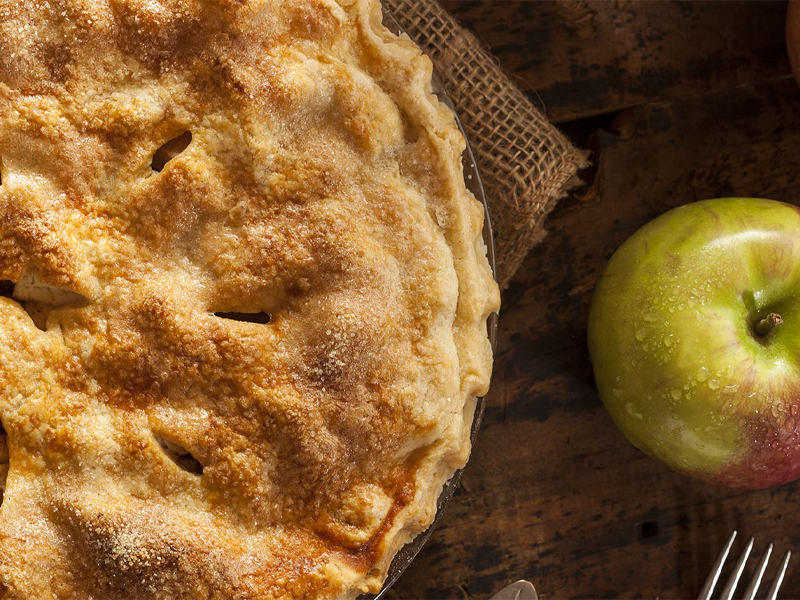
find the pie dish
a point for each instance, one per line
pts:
(244, 298)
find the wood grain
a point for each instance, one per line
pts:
(553, 491)
(584, 58)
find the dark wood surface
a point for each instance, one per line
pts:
(581, 58)
(678, 102)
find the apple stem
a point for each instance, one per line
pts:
(765, 325)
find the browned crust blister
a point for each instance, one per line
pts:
(161, 444)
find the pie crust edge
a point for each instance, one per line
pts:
(478, 296)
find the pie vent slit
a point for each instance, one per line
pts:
(4, 462)
(180, 456)
(262, 318)
(170, 150)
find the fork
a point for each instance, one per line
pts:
(519, 590)
(733, 580)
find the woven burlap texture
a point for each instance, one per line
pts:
(526, 164)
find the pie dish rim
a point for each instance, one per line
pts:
(472, 178)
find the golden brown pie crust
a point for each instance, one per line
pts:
(322, 185)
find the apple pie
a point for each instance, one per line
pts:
(243, 301)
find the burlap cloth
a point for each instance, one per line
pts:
(526, 164)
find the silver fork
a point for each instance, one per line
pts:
(733, 580)
(519, 590)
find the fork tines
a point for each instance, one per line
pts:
(733, 580)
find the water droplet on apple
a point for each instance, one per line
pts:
(650, 318)
(793, 410)
(676, 416)
(616, 392)
(713, 384)
(731, 389)
(668, 342)
(646, 347)
(671, 309)
(702, 374)
(676, 394)
(641, 334)
(790, 424)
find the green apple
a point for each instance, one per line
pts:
(694, 336)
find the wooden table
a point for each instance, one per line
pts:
(678, 101)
